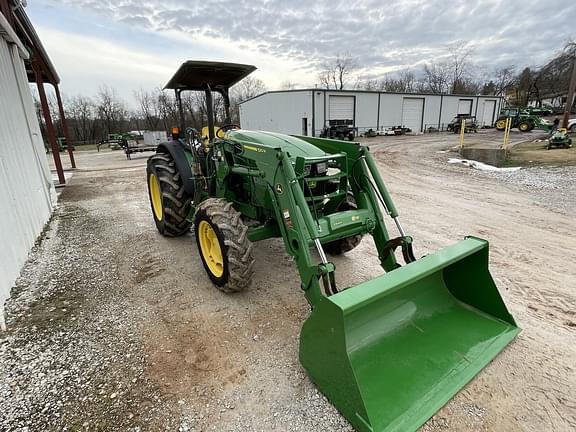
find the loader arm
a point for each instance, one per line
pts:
(301, 227)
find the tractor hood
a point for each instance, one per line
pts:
(295, 146)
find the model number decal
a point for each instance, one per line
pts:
(256, 149)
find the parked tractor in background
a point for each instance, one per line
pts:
(521, 119)
(389, 352)
(339, 129)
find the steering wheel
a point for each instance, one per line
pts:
(225, 128)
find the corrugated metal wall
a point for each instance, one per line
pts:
(27, 193)
(282, 111)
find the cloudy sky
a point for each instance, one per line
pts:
(129, 44)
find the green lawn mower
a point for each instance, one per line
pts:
(389, 352)
(559, 138)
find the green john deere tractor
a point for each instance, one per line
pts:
(388, 353)
(522, 119)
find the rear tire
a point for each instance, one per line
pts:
(169, 201)
(223, 245)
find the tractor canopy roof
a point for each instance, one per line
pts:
(194, 75)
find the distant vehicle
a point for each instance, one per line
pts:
(456, 124)
(521, 119)
(339, 129)
(572, 125)
(559, 138)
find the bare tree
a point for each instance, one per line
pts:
(168, 110)
(80, 112)
(149, 105)
(437, 77)
(336, 73)
(370, 85)
(504, 79)
(245, 89)
(460, 54)
(111, 109)
(287, 85)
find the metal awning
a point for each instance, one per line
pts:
(194, 75)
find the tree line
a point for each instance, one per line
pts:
(92, 119)
(455, 73)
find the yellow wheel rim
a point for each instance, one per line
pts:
(155, 196)
(210, 248)
(501, 124)
(523, 127)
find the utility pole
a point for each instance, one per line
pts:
(570, 96)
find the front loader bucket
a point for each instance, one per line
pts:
(390, 352)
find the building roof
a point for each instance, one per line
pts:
(370, 92)
(25, 31)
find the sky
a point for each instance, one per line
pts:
(133, 44)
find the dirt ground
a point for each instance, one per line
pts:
(113, 327)
(525, 148)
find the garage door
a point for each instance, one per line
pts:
(465, 106)
(488, 112)
(412, 110)
(341, 108)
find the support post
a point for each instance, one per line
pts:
(49, 126)
(570, 97)
(178, 93)
(507, 133)
(69, 143)
(209, 112)
(462, 132)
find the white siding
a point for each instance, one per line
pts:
(26, 192)
(366, 111)
(283, 111)
(278, 112)
(465, 106)
(319, 112)
(453, 105)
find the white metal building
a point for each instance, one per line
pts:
(307, 111)
(27, 194)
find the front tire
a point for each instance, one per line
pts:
(223, 244)
(169, 201)
(525, 126)
(501, 124)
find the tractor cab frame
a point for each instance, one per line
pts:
(207, 77)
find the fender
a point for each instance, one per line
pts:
(178, 153)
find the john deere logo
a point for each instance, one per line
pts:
(279, 188)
